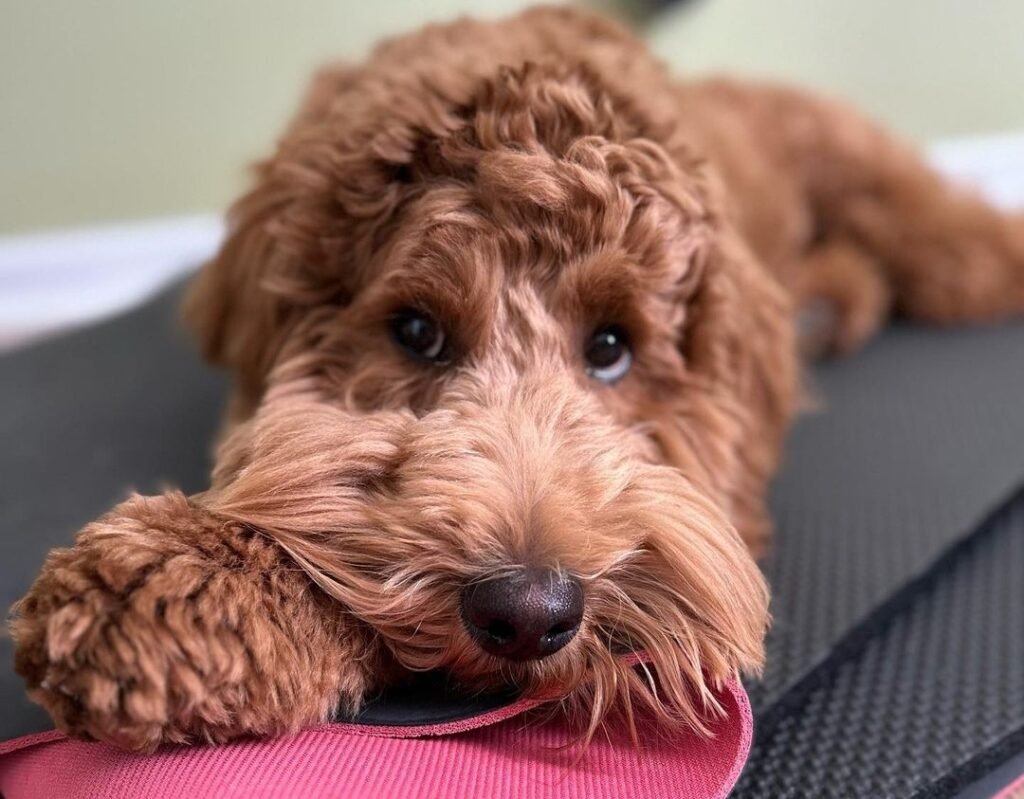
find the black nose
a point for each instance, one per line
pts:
(526, 616)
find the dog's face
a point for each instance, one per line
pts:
(516, 385)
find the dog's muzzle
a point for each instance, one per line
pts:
(527, 615)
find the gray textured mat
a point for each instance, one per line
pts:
(933, 701)
(921, 438)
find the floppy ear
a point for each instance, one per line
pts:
(740, 336)
(240, 303)
(229, 310)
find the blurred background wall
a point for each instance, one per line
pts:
(124, 109)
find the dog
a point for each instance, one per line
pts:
(513, 320)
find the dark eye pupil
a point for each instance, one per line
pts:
(419, 335)
(606, 348)
(608, 354)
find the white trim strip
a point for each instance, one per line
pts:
(50, 281)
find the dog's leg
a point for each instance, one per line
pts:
(166, 624)
(843, 299)
(947, 256)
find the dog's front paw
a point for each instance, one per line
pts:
(165, 625)
(94, 667)
(105, 639)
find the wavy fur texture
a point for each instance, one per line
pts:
(523, 182)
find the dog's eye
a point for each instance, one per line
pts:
(419, 335)
(608, 354)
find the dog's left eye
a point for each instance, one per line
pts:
(608, 353)
(420, 335)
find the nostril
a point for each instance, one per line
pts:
(561, 629)
(500, 632)
(527, 615)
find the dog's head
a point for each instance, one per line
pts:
(508, 382)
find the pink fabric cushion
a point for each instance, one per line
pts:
(498, 754)
(1015, 790)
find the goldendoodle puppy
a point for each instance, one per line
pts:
(511, 314)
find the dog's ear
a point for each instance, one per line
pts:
(240, 303)
(228, 309)
(740, 337)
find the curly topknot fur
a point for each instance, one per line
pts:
(522, 182)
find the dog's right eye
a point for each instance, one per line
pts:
(608, 354)
(420, 336)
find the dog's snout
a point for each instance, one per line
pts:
(524, 616)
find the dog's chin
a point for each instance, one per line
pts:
(593, 683)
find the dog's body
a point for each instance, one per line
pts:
(512, 314)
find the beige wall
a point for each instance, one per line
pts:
(120, 109)
(930, 68)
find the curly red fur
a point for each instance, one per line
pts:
(523, 182)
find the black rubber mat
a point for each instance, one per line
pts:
(931, 702)
(918, 439)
